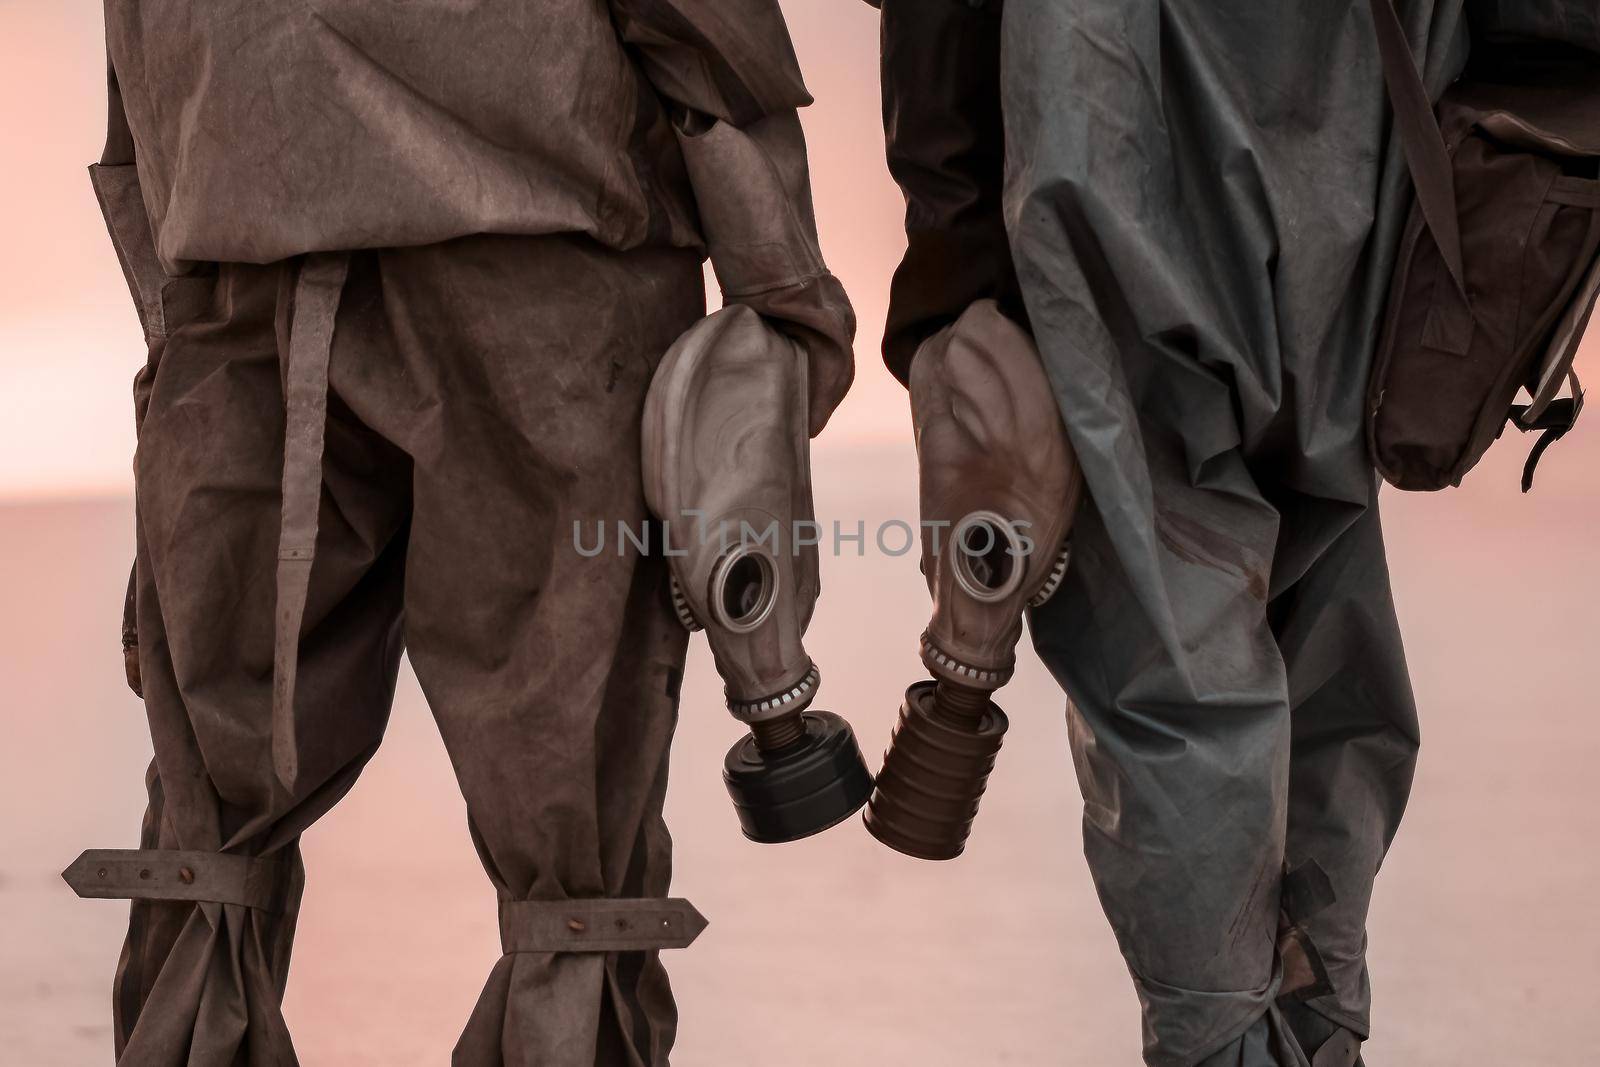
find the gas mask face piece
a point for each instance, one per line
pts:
(727, 472)
(999, 487)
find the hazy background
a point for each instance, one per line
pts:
(1486, 948)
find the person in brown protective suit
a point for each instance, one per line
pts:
(405, 272)
(1195, 210)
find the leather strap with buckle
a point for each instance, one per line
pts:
(598, 925)
(259, 882)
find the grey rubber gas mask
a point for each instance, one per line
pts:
(727, 472)
(999, 487)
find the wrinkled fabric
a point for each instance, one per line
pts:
(1204, 203)
(753, 188)
(484, 396)
(343, 124)
(946, 150)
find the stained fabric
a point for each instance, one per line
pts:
(1204, 203)
(342, 124)
(484, 395)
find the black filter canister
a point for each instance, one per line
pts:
(801, 789)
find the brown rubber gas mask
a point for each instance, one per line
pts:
(999, 488)
(727, 472)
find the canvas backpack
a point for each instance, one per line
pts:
(1499, 263)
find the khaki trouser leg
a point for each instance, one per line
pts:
(483, 396)
(1232, 737)
(1353, 754)
(201, 983)
(517, 379)
(1180, 727)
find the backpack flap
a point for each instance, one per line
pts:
(1520, 205)
(1563, 121)
(1559, 120)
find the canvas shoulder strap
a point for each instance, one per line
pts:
(1428, 159)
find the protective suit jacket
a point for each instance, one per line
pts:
(1202, 204)
(344, 124)
(405, 272)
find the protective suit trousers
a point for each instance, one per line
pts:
(483, 396)
(1244, 761)
(1241, 717)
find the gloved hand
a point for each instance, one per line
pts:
(753, 190)
(727, 73)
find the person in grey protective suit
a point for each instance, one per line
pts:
(1195, 208)
(405, 272)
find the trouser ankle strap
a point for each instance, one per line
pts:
(603, 925)
(259, 882)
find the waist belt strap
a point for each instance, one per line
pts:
(316, 306)
(608, 925)
(259, 882)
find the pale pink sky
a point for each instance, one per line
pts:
(69, 342)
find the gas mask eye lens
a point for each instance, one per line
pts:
(742, 594)
(744, 588)
(987, 557)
